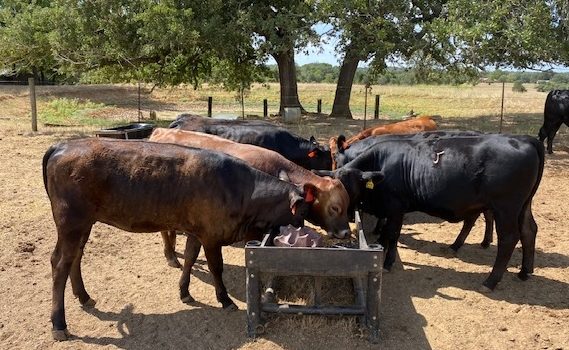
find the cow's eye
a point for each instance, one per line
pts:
(335, 210)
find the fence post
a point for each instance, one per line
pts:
(209, 103)
(376, 110)
(365, 105)
(265, 108)
(32, 84)
(139, 110)
(502, 108)
(319, 106)
(242, 104)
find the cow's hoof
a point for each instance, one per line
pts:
(60, 335)
(174, 263)
(230, 308)
(89, 304)
(484, 290)
(524, 276)
(188, 299)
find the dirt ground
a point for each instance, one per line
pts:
(429, 301)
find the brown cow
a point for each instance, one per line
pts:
(330, 207)
(409, 126)
(143, 186)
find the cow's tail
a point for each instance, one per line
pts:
(540, 150)
(46, 157)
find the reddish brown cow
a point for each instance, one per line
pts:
(331, 201)
(409, 126)
(143, 186)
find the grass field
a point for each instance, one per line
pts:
(102, 105)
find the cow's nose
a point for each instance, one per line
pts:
(342, 234)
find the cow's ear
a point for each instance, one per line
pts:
(341, 143)
(309, 192)
(313, 153)
(313, 140)
(295, 201)
(371, 178)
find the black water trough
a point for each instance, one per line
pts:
(130, 131)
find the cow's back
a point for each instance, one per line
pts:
(153, 183)
(457, 176)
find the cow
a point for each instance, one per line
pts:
(141, 186)
(306, 153)
(343, 154)
(329, 209)
(409, 126)
(556, 112)
(455, 179)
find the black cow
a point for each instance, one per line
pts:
(455, 179)
(306, 153)
(142, 186)
(345, 155)
(556, 112)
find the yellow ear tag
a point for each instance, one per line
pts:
(369, 184)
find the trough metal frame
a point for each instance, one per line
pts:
(364, 265)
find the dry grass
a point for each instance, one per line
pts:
(396, 101)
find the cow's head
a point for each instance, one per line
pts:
(318, 157)
(330, 208)
(337, 147)
(357, 183)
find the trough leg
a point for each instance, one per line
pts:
(372, 305)
(191, 253)
(253, 287)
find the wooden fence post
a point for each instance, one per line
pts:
(209, 104)
(376, 110)
(265, 108)
(32, 84)
(319, 106)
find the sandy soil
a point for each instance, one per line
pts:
(429, 301)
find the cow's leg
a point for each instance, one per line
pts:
(389, 237)
(551, 131)
(191, 253)
(467, 226)
(169, 239)
(77, 279)
(508, 231)
(215, 264)
(529, 232)
(66, 252)
(489, 230)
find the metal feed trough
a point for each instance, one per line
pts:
(130, 131)
(363, 264)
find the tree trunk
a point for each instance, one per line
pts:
(341, 107)
(287, 80)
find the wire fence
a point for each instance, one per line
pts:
(128, 102)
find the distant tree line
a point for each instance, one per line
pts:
(327, 73)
